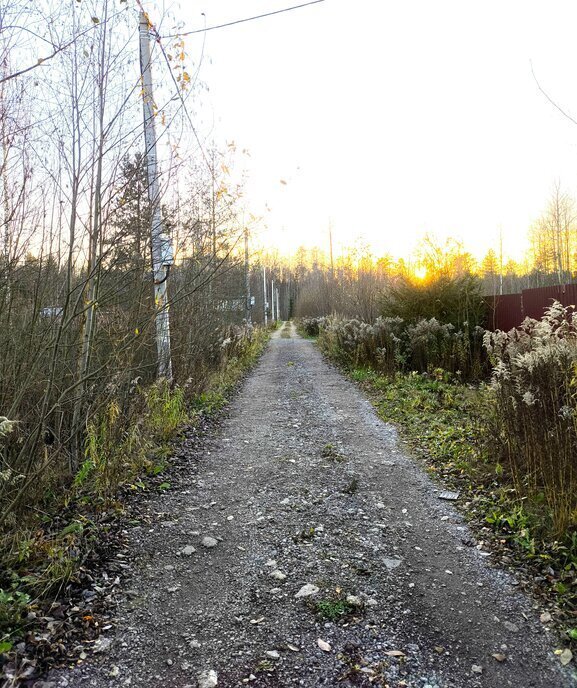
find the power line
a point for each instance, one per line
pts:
(159, 38)
(246, 19)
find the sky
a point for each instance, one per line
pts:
(391, 119)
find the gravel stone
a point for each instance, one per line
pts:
(307, 590)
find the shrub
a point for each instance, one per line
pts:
(391, 345)
(311, 327)
(454, 299)
(535, 386)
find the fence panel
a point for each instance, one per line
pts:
(509, 310)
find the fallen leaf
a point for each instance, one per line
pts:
(566, 656)
(499, 656)
(545, 617)
(395, 653)
(325, 647)
(294, 648)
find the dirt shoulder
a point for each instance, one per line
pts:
(305, 486)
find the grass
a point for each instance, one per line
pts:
(333, 610)
(334, 607)
(330, 452)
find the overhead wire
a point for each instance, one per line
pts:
(246, 19)
(159, 39)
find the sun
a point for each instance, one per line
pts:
(420, 272)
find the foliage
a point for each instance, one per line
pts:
(333, 610)
(390, 345)
(123, 444)
(334, 606)
(534, 384)
(311, 327)
(510, 446)
(454, 299)
(13, 606)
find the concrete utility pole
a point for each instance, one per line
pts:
(272, 313)
(277, 303)
(331, 249)
(500, 260)
(248, 304)
(162, 254)
(265, 304)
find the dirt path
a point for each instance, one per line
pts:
(305, 485)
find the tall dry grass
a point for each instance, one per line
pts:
(535, 389)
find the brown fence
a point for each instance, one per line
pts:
(509, 310)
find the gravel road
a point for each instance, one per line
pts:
(305, 486)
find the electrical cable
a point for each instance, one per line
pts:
(242, 21)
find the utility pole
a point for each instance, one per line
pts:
(213, 210)
(500, 260)
(162, 254)
(248, 304)
(331, 249)
(272, 314)
(264, 303)
(277, 303)
(212, 229)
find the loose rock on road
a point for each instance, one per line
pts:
(306, 548)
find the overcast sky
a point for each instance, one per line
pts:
(394, 118)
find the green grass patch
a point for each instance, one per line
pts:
(334, 606)
(333, 610)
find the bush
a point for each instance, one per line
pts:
(311, 327)
(454, 299)
(535, 386)
(390, 345)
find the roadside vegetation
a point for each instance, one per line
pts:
(44, 554)
(494, 417)
(87, 414)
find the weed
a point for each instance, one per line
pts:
(13, 606)
(305, 535)
(264, 666)
(332, 610)
(352, 487)
(329, 451)
(334, 607)
(534, 382)
(166, 410)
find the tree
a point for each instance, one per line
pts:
(490, 272)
